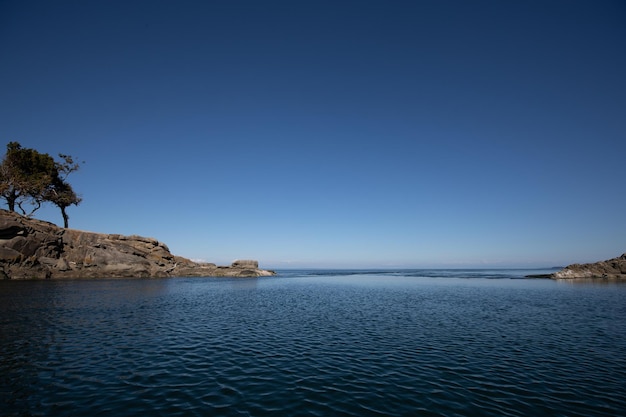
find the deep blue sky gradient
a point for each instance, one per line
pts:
(332, 134)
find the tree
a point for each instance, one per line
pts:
(26, 174)
(61, 194)
(30, 177)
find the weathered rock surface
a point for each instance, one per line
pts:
(35, 249)
(611, 269)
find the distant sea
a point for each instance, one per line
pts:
(315, 343)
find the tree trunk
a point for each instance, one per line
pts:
(11, 199)
(66, 218)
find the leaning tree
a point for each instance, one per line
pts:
(60, 192)
(25, 174)
(29, 178)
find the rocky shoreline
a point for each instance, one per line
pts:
(612, 269)
(35, 249)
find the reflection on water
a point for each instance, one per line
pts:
(314, 343)
(593, 281)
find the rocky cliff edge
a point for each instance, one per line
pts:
(611, 269)
(35, 249)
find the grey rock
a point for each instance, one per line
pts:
(614, 269)
(35, 249)
(246, 263)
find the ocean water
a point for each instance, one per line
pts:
(314, 343)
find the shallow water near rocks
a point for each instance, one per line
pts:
(314, 343)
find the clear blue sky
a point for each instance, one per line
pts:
(331, 133)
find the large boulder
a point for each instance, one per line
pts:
(32, 248)
(249, 264)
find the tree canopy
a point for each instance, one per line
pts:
(29, 178)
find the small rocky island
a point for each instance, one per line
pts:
(613, 269)
(36, 249)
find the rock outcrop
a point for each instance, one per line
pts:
(35, 249)
(611, 269)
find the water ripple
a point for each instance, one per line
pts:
(349, 345)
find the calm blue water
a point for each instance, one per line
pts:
(314, 343)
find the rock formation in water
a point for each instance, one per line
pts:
(611, 269)
(35, 249)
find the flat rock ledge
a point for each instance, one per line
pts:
(35, 249)
(612, 269)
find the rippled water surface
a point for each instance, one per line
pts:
(319, 343)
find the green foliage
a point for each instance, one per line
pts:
(61, 194)
(30, 178)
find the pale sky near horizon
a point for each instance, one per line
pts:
(331, 133)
